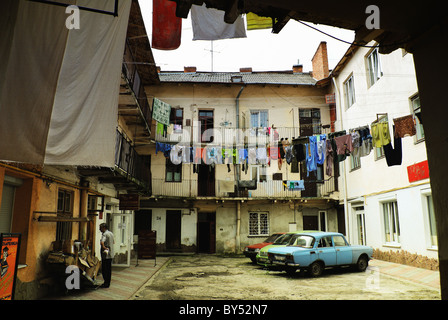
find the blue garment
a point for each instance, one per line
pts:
(321, 147)
(163, 147)
(311, 161)
(296, 185)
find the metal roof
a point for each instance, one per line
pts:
(283, 78)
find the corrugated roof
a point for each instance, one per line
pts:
(246, 77)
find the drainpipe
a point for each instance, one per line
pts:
(346, 217)
(238, 227)
(238, 174)
(237, 105)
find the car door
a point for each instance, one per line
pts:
(326, 251)
(344, 254)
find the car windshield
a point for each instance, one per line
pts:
(300, 240)
(272, 238)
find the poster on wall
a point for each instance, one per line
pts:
(161, 111)
(9, 258)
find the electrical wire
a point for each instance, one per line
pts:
(353, 43)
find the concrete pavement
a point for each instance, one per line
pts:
(127, 281)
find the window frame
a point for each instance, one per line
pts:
(259, 120)
(258, 224)
(420, 133)
(349, 91)
(173, 169)
(374, 73)
(391, 217)
(64, 229)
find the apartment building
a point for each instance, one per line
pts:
(386, 194)
(221, 203)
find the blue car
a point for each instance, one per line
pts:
(313, 252)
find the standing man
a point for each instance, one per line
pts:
(106, 242)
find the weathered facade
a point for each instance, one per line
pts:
(49, 204)
(209, 208)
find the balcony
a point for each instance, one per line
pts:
(271, 189)
(231, 135)
(133, 106)
(131, 171)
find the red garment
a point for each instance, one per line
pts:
(166, 27)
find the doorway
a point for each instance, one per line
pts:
(310, 223)
(206, 181)
(206, 232)
(173, 230)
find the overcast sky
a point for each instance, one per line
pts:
(262, 50)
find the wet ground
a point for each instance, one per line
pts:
(215, 277)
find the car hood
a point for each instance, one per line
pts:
(287, 249)
(259, 245)
(273, 246)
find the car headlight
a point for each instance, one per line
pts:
(246, 249)
(257, 250)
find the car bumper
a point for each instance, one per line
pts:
(285, 263)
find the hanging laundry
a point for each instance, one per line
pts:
(288, 154)
(176, 154)
(208, 24)
(255, 22)
(366, 141)
(296, 184)
(273, 153)
(159, 128)
(380, 134)
(321, 146)
(311, 163)
(197, 151)
(166, 26)
(356, 143)
(262, 156)
(252, 155)
(405, 126)
(393, 154)
(344, 145)
(330, 158)
(213, 155)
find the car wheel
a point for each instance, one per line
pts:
(290, 271)
(316, 269)
(362, 264)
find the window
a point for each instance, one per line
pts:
(173, 172)
(355, 161)
(177, 118)
(339, 241)
(391, 222)
(258, 224)
(416, 112)
(65, 209)
(360, 224)
(206, 121)
(259, 118)
(259, 173)
(349, 91)
(374, 67)
(432, 221)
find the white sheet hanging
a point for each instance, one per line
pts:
(208, 24)
(59, 95)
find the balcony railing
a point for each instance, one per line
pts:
(130, 163)
(271, 189)
(230, 135)
(132, 76)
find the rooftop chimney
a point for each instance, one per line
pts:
(320, 62)
(189, 69)
(248, 69)
(297, 68)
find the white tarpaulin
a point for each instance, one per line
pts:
(208, 24)
(59, 88)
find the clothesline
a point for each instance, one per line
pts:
(312, 150)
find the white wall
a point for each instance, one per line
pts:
(375, 181)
